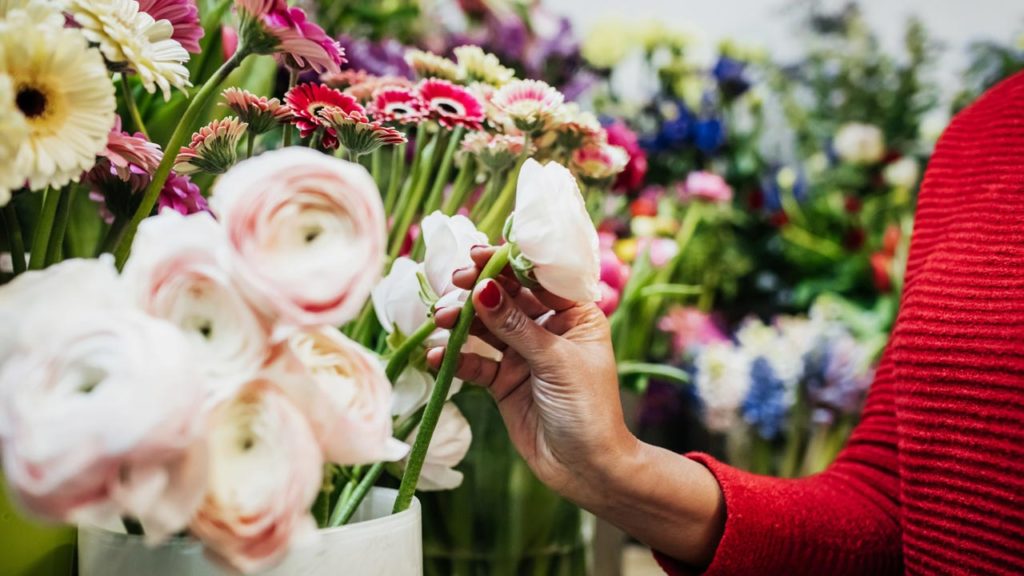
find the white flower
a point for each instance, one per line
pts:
(265, 473)
(903, 173)
(397, 301)
(448, 240)
(179, 270)
(860, 144)
(555, 238)
(308, 234)
(343, 391)
(62, 91)
(448, 446)
(100, 417)
(13, 133)
(131, 37)
(723, 378)
(412, 391)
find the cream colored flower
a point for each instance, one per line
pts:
(430, 65)
(478, 66)
(13, 132)
(62, 90)
(130, 37)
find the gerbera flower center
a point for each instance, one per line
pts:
(448, 107)
(31, 101)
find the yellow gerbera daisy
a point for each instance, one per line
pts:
(61, 89)
(479, 66)
(430, 65)
(130, 37)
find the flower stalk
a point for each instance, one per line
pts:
(60, 228)
(442, 385)
(133, 108)
(44, 227)
(14, 238)
(400, 359)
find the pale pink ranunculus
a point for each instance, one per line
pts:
(553, 233)
(342, 389)
(706, 186)
(448, 446)
(101, 417)
(266, 470)
(180, 270)
(307, 231)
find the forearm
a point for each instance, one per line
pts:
(671, 503)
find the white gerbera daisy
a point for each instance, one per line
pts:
(130, 37)
(63, 92)
(479, 66)
(13, 132)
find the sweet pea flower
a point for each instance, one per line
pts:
(397, 301)
(59, 395)
(555, 242)
(307, 233)
(859, 144)
(265, 472)
(346, 397)
(448, 446)
(180, 270)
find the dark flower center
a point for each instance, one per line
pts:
(31, 102)
(448, 108)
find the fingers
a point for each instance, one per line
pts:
(505, 319)
(500, 378)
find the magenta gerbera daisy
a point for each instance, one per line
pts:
(182, 195)
(357, 133)
(183, 16)
(271, 26)
(307, 100)
(213, 149)
(400, 105)
(531, 105)
(451, 105)
(124, 168)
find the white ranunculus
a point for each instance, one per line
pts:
(101, 417)
(412, 392)
(180, 271)
(554, 234)
(722, 381)
(860, 144)
(342, 389)
(903, 173)
(308, 233)
(265, 472)
(396, 298)
(448, 447)
(448, 240)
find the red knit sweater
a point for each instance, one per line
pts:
(932, 480)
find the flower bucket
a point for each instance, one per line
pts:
(501, 521)
(31, 549)
(375, 542)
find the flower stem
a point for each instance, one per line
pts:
(133, 109)
(494, 221)
(293, 79)
(14, 237)
(113, 235)
(413, 201)
(250, 143)
(163, 171)
(60, 227)
(461, 188)
(376, 165)
(44, 228)
(436, 193)
(394, 180)
(442, 385)
(400, 359)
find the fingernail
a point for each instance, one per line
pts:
(475, 246)
(457, 270)
(490, 295)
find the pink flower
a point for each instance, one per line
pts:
(610, 298)
(530, 105)
(213, 149)
(690, 327)
(228, 41)
(659, 250)
(266, 471)
(495, 152)
(400, 105)
(302, 44)
(706, 186)
(122, 170)
(307, 100)
(182, 195)
(357, 134)
(307, 231)
(632, 178)
(597, 163)
(614, 276)
(451, 105)
(183, 16)
(262, 114)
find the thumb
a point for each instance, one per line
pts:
(505, 320)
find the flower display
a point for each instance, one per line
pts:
(495, 151)
(722, 377)
(278, 28)
(214, 148)
(557, 244)
(310, 230)
(398, 105)
(903, 173)
(529, 105)
(364, 90)
(307, 100)
(182, 195)
(451, 105)
(631, 178)
(131, 37)
(184, 18)
(61, 90)
(122, 171)
(357, 134)
(260, 113)
(598, 163)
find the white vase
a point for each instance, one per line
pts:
(376, 542)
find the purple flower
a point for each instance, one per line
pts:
(765, 407)
(837, 378)
(381, 58)
(182, 195)
(731, 76)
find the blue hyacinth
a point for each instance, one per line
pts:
(765, 406)
(731, 75)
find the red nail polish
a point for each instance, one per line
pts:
(490, 295)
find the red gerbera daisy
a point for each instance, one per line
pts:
(399, 105)
(451, 105)
(307, 100)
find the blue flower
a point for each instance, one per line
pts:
(765, 406)
(675, 128)
(709, 135)
(837, 377)
(772, 188)
(731, 76)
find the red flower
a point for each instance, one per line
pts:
(398, 105)
(451, 105)
(307, 100)
(632, 178)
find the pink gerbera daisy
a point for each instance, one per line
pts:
(451, 105)
(123, 169)
(183, 16)
(357, 133)
(213, 149)
(400, 105)
(182, 195)
(302, 44)
(307, 100)
(365, 90)
(531, 105)
(262, 114)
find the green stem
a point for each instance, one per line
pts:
(362, 325)
(397, 173)
(250, 143)
(461, 189)
(60, 227)
(681, 290)
(661, 371)
(493, 223)
(113, 235)
(400, 358)
(442, 385)
(376, 166)
(491, 192)
(44, 229)
(293, 79)
(163, 171)
(437, 191)
(133, 109)
(14, 237)
(804, 239)
(412, 203)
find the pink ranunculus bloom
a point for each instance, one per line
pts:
(183, 16)
(632, 178)
(265, 472)
(706, 186)
(307, 232)
(690, 327)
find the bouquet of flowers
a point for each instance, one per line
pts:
(243, 362)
